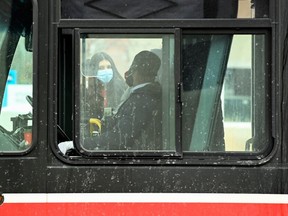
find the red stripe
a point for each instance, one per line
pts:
(142, 209)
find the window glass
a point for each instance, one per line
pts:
(16, 76)
(126, 93)
(223, 101)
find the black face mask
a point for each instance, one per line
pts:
(129, 79)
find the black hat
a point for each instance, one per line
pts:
(145, 62)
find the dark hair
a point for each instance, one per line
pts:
(97, 58)
(146, 63)
(115, 88)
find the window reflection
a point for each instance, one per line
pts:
(219, 101)
(16, 75)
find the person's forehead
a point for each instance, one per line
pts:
(104, 62)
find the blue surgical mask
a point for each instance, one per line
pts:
(105, 75)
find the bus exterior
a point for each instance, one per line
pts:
(155, 107)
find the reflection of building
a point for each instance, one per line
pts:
(237, 82)
(244, 10)
(237, 94)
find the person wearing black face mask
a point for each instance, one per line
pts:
(144, 69)
(137, 123)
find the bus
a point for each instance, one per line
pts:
(155, 107)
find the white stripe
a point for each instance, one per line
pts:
(25, 198)
(145, 198)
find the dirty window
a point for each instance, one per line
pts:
(126, 93)
(225, 93)
(16, 76)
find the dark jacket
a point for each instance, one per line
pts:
(93, 101)
(137, 125)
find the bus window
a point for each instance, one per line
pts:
(126, 94)
(214, 88)
(16, 76)
(225, 103)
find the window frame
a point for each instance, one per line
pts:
(200, 25)
(129, 33)
(267, 35)
(246, 155)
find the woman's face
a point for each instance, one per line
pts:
(104, 64)
(105, 72)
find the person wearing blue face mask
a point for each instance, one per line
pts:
(105, 75)
(104, 86)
